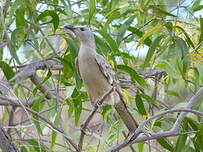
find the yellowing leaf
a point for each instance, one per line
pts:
(149, 33)
(126, 95)
(63, 44)
(111, 63)
(145, 117)
(197, 56)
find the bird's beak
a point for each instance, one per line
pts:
(70, 27)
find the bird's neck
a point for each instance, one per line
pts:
(88, 47)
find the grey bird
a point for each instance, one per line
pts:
(98, 76)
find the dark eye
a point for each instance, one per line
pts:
(82, 29)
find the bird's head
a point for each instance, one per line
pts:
(83, 33)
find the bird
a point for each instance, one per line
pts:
(98, 76)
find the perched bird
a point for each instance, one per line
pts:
(98, 76)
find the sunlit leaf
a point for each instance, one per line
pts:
(49, 74)
(173, 93)
(149, 33)
(189, 41)
(151, 50)
(92, 8)
(134, 75)
(37, 106)
(123, 29)
(141, 147)
(161, 11)
(149, 99)
(7, 70)
(54, 133)
(110, 41)
(164, 143)
(52, 14)
(201, 30)
(140, 105)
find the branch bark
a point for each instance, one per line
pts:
(172, 132)
(6, 143)
(96, 106)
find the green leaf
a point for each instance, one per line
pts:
(180, 142)
(196, 78)
(161, 11)
(17, 4)
(110, 41)
(151, 50)
(189, 41)
(70, 107)
(52, 14)
(173, 93)
(198, 8)
(134, 75)
(37, 106)
(180, 43)
(123, 29)
(49, 74)
(201, 30)
(149, 99)
(92, 8)
(17, 36)
(149, 33)
(23, 149)
(102, 46)
(67, 66)
(74, 53)
(37, 146)
(169, 26)
(196, 3)
(7, 70)
(164, 143)
(140, 105)
(112, 15)
(54, 133)
(169, 68)
(195, 125)
(139, 33)
(20, 20)
(141, 146)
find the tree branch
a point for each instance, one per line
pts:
(96, 106)
(173, 132)
(6, 142)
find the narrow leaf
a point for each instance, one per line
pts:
(7, 70)
(123, 29)
(149, 33)
(201, 30)
(140, 105)
(134, 75)
(92, 8)
(110, 41)
(151, 50)
(149, 99)
(52, 14)
(164, 143)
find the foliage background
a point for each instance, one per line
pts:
(134, 36)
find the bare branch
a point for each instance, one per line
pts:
(6, 143)
(173, 132)
(96, 106)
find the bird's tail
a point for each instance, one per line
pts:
(126, 116)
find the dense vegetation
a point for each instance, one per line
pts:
(155, 47)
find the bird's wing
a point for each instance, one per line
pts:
(77, 66)
(106, 69)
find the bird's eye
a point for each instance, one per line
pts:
(82, 29)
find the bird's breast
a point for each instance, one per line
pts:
(94, 80)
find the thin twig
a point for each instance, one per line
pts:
(96, 106)
(173, 132)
